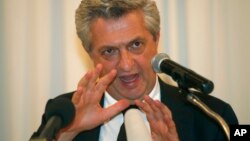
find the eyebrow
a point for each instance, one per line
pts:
(138, 38)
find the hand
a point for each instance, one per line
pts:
(160, 120)
(89, 113)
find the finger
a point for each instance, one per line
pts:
(145, 107)
(164, 109)
(103, 83)
(139, 104)
(142, 105)
(84, 81)
(151, 103)
(81, 87)
(115, 109)
(154, 114)
(77, 95)
(93, 79)
(167, 117)
(158, 115)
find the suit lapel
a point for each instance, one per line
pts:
(180, 109)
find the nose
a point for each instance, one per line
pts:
(126, 61)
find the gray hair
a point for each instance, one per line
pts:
(89, 10)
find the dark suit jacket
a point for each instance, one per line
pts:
(191, 123)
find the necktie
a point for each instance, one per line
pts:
(122, 133)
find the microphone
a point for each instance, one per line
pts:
(185, 77)
(58, 114)
(136, 130)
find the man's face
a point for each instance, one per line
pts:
(126, 45)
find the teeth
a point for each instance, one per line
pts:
(129, 78)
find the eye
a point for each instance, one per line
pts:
(109, 51)
(136, 44)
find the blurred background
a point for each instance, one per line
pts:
(41, 56)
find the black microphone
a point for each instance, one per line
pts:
(185, 77)
(59, 113)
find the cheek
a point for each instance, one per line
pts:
(105, 65)
(145, 63)
(108, 66)
(148, 55)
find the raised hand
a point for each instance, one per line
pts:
(89, 113)
(160, 120)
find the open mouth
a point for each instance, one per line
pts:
(129, 79)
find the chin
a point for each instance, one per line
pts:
(132, 97)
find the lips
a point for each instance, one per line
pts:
(129, 79)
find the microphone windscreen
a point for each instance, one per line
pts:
(156, 61)
(136, 130)
(62, 108)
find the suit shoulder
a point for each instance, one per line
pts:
(66, 95)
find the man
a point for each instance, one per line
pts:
(121, 37)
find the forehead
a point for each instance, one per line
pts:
(118, 30)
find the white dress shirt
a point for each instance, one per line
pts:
(110, 129)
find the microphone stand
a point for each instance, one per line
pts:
(197, 102)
